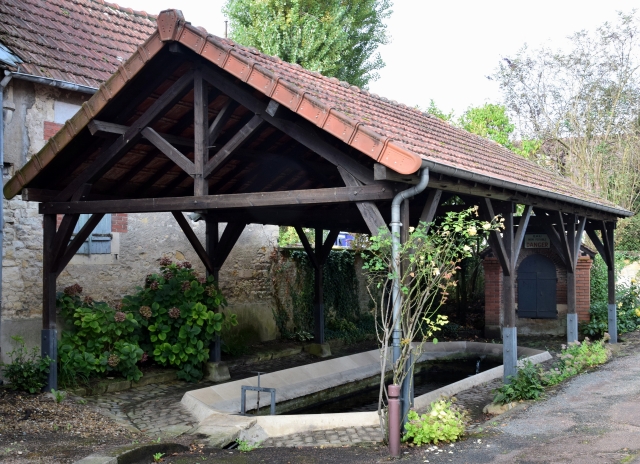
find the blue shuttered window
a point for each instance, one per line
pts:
(99, 242)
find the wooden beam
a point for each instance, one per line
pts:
(102, 128)
(607, 241)
(307, 247)
(169, 150)
(498, 245)
(193, 240)
(200, 134)
(598, 244)
(68, 223)
(565, 247)
(236, 141)
(129, 139)
(77, 242)
(229, 237)
(301, 131)
(431, 206)
(381, 172)
(221, 120)
(522, 229)
(579, 232)
(368, 209)
(327, 246)
(240, 200)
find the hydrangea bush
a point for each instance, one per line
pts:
(171, 320)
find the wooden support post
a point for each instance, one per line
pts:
(318, 296)
(211, 239)
(49, 332)
(607, 239)
(572, 316)
(503, 248)
(318, 257)
(200, 134)
(368, 209)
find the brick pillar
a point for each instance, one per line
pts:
(492, 297)
(583, 288)
(119, 222)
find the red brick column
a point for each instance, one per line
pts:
(492, 296)
(583, 288)
(119, 222)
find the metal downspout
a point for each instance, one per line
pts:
(395, 261)
(3, 84)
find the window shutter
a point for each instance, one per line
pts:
(99, 242)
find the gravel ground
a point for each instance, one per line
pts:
(34, 428)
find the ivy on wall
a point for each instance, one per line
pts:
(292, 277)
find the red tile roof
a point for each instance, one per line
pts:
(79, 41)
(394, 134)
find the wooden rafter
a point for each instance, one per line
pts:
(126, 141)
(368, 209)
(169, 150)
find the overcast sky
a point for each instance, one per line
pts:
(444, 50)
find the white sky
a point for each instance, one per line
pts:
(445, 49)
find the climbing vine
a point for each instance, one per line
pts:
(292, 278)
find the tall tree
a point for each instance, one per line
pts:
(583, 105)
(337, 38)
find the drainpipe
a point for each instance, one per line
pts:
(3, 84)
(395, 250)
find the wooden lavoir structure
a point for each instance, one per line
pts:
(195, 123)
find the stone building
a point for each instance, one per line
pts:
(53, 57)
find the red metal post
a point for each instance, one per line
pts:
(394, 420)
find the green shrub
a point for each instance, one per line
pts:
(627, 235)
(525, 385)
(170, 320)
(176, 307)
(27, 371)
(628, 312)
(575, 358)
(443, 422)
(102, 339)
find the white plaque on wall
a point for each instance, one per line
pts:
(536, 241)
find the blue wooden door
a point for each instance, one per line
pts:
(537, 284)
(99, 242)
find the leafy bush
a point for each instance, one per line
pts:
(443, 422)
(525, 385)
(177, 307)
(103, 339)
(170, 320)
(27, 371)
(627, 235)
(628, 312)
(574, 359)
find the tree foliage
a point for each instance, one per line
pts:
(337, 38)
(582, 104)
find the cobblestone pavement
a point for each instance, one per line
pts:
(336, 437)
(156, 410)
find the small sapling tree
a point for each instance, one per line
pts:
(428, 262)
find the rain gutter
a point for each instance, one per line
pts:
(55, 83)
(471, 176)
